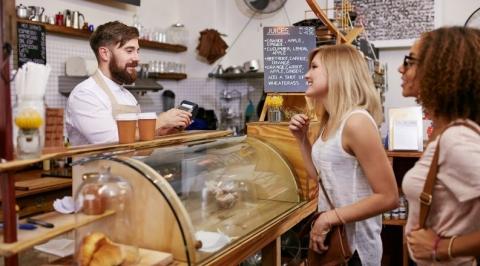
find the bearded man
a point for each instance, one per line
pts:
(94, 103)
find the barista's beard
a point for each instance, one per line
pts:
(121, 75)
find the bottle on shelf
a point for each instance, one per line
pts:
(402, 209)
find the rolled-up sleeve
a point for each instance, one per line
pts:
(91, 118)
(459, 162)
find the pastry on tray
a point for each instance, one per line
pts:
(97, 250)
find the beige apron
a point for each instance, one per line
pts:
(116, 107)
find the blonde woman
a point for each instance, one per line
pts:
(348, 154)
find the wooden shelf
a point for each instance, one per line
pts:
(63, 223)
(405, 154)
(395, 222)
(176, 48)
(165, 76)
(229, 76)
(71, 32)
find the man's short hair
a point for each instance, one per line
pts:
(112, 33)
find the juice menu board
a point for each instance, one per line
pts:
(285, 54)
(31, 43)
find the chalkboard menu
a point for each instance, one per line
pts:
(31, 43)
(285, 54)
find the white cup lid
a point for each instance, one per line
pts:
(127, 117)
(151, 115)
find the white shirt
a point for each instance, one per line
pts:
(346, 183)
(89, 118)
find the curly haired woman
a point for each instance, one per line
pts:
(443, 72)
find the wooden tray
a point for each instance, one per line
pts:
(41, 183)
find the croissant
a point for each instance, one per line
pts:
(90, 244)
(107, 255)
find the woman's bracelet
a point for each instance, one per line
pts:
(450, 244)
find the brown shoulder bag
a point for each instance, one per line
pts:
(339, 251)
(427, 194)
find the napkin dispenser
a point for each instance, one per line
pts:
(80, 67)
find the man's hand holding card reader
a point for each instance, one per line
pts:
(176, 119)
(189, 107)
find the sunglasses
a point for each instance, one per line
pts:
(409, 61)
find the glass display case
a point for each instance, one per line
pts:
(197, 199)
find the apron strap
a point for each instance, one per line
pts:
(101, 83)
(116, 108)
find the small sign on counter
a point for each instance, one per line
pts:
(31, 43)
(285, 53)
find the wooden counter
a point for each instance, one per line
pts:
(13, 242)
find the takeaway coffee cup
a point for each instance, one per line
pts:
(127, 125)
(146, 125)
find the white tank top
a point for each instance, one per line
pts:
(346, 184)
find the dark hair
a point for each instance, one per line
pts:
(449, 72)
(112, 33)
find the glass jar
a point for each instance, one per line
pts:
(29, 133)
(29, 144)
(230, 111)
(102, 204)
(177, 34)
(274, 114)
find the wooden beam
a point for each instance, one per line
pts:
(7, 186)
(317, 10)
(7, 182)
(6, 132)
(353, 34)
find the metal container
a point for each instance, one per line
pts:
(78, 20)
(36, 13)
(251, 66)
(23, 12)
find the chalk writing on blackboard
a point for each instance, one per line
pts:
(31, 43)
(285, 52)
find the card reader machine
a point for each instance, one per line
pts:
(189, 107)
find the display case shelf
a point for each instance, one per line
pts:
(396, 222)
(71, 32)
(404, 154)
(63, 224)
(113, 148)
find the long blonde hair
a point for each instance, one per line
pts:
(350, 85)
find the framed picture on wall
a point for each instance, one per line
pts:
(396, 23)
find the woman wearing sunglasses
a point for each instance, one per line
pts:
(443, 72)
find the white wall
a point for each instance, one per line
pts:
(249, 45)
(455, 12)
(449, 13)
(230, 17)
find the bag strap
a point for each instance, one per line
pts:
(329, 201)
(426, 196)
